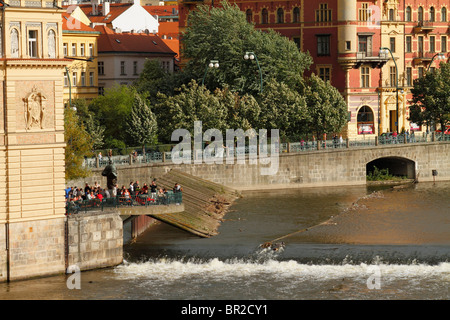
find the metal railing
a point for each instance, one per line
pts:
(285, 147)
(140, 200)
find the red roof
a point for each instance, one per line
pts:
(171, 10)
(72, 24)
(110, 41)
(169, 29)
(115, 10)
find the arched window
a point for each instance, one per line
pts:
(280, 15)
(432, 14)
(51, 44)
(408, 15)
(264, 16)
(444, 14)
(249, 16)
(365, 121)
(14, 43)
(420, 14)
(296, 15)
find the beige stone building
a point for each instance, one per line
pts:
(32, 214)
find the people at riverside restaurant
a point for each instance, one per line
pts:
(143, 195)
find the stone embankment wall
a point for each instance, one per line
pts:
(95, 240)
(332, 167)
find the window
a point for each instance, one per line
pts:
(323, 14)
(408, 14)
(82, 53)
(409, 76)
(280, 15)
(365, 77)
(323, 45)
(391, 15)
(420, 14)
(324, 73)
(83, 79)
(249, 15)
(348, 45)
(297, 42)
(65, 49)
(101, 91)
(32, 43)
(392, 44)
(66, 80)
(420, 44)
(432, 14)
(432, 44)
(365, 120)
(91, 79)
(393, 76)
(296, 15)
(364, 13)
(365, 44)
(408, 44)
(420, 72)
(74, 79)
(264, 16)
(444, 14)
(91, 50)
(74, 49)
(101, 68)
(135, 67)
(443, 43)
(122, 68)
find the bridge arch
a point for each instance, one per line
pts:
(397, 166)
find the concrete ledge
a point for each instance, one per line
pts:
(151, 210)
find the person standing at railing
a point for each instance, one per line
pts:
(153, 190)
(394, 137)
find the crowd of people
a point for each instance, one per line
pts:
(133, 191)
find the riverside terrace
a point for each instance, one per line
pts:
(156, 154)
(138, 200)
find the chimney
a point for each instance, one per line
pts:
(94, 7)
(105, 8)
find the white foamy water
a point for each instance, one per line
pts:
(214, 269)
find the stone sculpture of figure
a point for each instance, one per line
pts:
(110, 172)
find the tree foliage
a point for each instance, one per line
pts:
(140, 125)
(78, 145)
(431, 99)
(223, 33)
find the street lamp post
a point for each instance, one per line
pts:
(385, 50)
(438, 56)
(252, 56)
(90, 59)
(212, 64)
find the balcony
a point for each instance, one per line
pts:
(424, 26)
(192, 1)
(422, 57)
(376, 59)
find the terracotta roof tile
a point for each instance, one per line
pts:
(109, 41)
(115, 9)
(72, 24)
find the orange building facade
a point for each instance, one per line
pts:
(344, 38)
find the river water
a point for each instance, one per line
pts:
(360, 243)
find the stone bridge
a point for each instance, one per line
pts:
(330, 167)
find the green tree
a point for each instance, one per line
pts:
(431, 98)
(78, 145)
(192, 103)
(112, 110)
(223, 33)
(90, 122)
(282, 108)
(140, 126)
(326, 107)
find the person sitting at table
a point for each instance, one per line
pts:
(161, 196)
